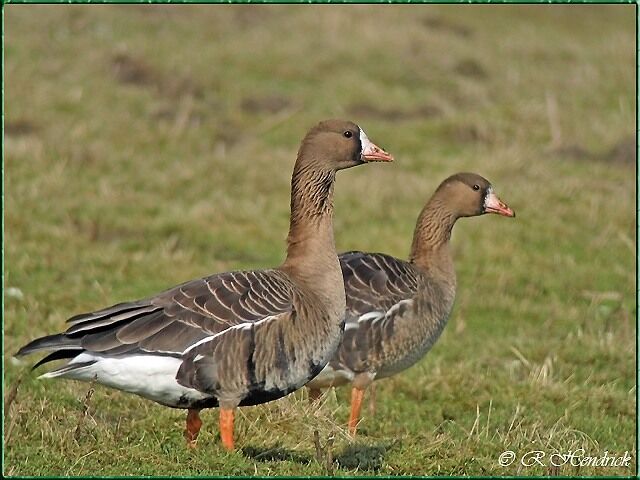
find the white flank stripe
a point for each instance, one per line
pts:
(370, 316)
(235, 327)
(376, 316)
(397, 306)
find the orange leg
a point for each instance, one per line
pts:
(314, 394)
(193, 427)
(226, 428)
(357, 395)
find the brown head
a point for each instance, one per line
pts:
(469, 194)
(338, 144)
(460, 195)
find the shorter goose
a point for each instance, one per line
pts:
(397, 309)
(237, 338)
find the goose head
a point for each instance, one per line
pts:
(339, 144)
(469, 195)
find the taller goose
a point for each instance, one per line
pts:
(237, 338)
(397, 309)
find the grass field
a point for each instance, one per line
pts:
(149, 145)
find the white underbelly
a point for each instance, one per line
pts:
(150, 376)
(330, 377)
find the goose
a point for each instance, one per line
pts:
(237, 338)
(397, 309)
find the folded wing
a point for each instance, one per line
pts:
(175, 320)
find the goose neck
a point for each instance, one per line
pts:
(430, 247)
(310, 243)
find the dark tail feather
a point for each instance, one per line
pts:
(57, 355)
(57, 341)
(105, 312)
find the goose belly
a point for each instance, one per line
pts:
(391, 368)
(410, 356)
(288, 360)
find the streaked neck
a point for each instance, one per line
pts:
(430, 247)
(310, 243)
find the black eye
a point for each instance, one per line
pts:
(348, 133)
(476, 187)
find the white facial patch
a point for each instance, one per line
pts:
(487, 196)
(365, 143)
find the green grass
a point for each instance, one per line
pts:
(148, 145)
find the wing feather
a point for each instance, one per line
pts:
(376, 282)
(177, 318)
(378, 289)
